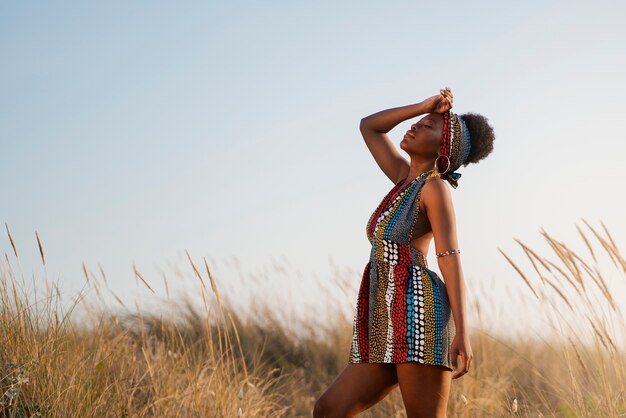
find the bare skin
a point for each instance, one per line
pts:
(424, 388)
(357, 388)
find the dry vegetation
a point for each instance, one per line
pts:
(217, 362)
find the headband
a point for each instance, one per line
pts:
(455, 147)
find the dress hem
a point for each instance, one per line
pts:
(449, 368)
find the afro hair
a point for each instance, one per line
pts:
(481, 137)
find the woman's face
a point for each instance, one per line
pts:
(424, 137)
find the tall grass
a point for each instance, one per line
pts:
(216, 361)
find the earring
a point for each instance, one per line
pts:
(437, 165)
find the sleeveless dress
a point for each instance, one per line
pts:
(403, 313)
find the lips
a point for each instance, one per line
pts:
(410, 134)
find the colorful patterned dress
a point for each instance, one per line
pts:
(402, 313)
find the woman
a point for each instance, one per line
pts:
(410, 326)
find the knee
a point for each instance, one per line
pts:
(325, 408)
(321, 409)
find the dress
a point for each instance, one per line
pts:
(403, 313)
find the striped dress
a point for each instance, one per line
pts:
(402, 312)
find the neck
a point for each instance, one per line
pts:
(419, 167)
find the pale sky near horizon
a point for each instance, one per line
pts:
(133, 131)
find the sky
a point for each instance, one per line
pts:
(131, 133)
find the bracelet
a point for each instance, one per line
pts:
(457, 251)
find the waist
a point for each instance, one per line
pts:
(397, 253)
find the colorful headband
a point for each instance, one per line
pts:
(455, 147)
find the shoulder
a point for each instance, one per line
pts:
(436, 193)
(434, 184)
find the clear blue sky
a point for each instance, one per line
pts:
(132, 131)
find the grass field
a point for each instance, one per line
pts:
(217, 362)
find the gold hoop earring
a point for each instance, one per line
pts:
(437, 165)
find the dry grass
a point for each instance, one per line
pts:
(218, 362)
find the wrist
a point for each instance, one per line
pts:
(462, 330)
(421, 108)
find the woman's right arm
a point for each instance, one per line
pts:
(374, 129)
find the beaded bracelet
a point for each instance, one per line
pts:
(448, 253)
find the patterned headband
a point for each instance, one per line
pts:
(455, 147)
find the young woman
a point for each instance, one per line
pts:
(410, 326)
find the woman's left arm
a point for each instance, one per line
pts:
(438, 206)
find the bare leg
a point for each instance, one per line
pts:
(357, 388)
(425, 389)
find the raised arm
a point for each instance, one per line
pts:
(374, 129)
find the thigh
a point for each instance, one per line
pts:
(358, 387)
(425, 389)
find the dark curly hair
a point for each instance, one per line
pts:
(481, 137)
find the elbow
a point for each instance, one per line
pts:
(450, 261)
(364, 124)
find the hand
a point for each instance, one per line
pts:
(461, 347)
(440, 103)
